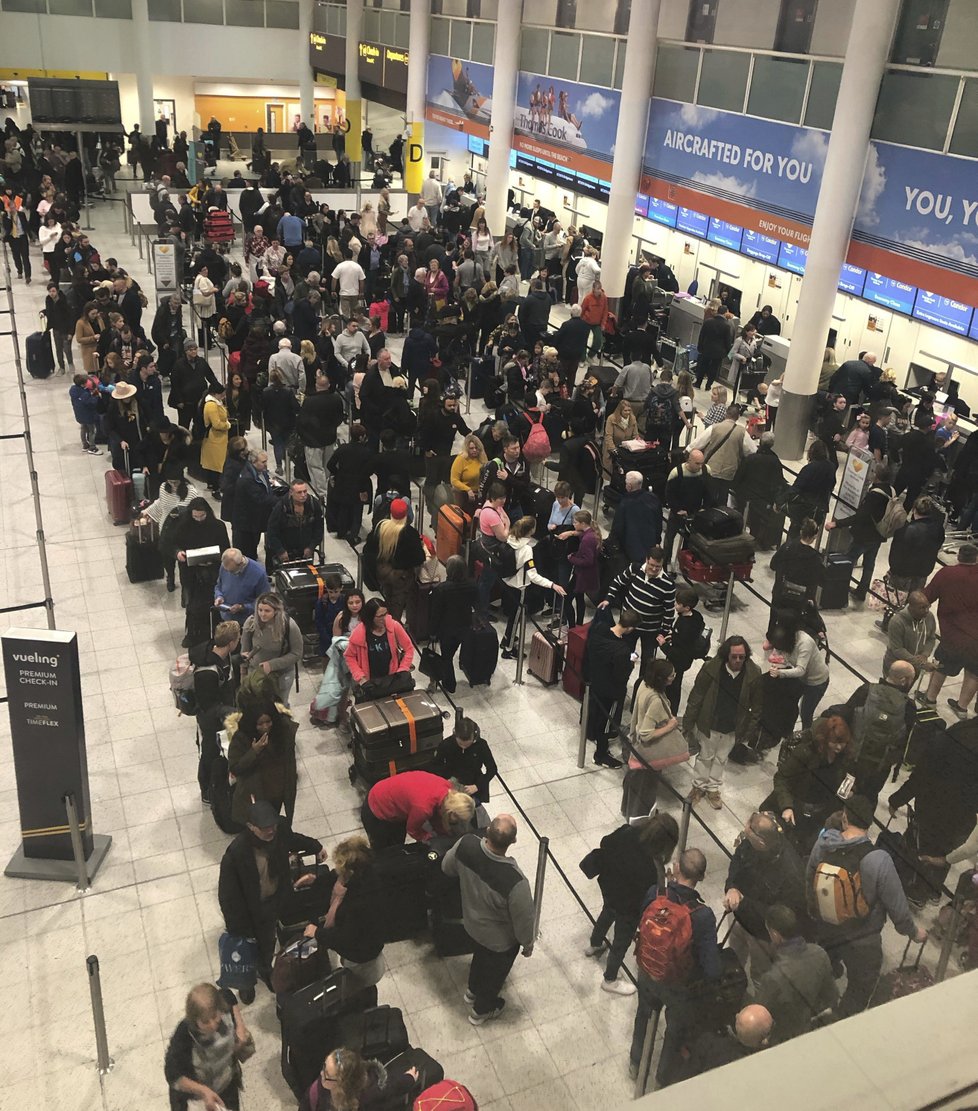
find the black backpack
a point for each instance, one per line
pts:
(502, 559)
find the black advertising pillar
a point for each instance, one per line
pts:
(47, 725)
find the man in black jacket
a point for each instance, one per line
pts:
(319, 419)
(534, 313)
(609, 657)
(765, 870)
(756, 487)
(713, 343)
(436, 435)
(798, 562)
(571, 340)
(687, 492)
(642, 345)
(295, 526)
(190, 380)
(854, 378)
(256, 879)
(214, 690)
(863, 528)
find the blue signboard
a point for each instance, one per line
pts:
(477, 146)
(889, 293)
(792, 258)
(662, 212)
(693, 222)
(761, 247)
(953, 316)
(725, 235)
(852, 279)
(641, 205)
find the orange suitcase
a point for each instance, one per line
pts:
(453, 529)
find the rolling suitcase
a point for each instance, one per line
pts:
(546, 657)
(400, 872)
(453, 529)
(766, 525)
(727, 551)
(118, 497)
(838, 573)
(905, 980)
(444, 896)
(573, 677)
(429, 1070)
(143, 560)
(375, 1033)
(718, 523)
(696, 570)
(40, 358)
(479, 654)
(395, 734)
(301, 585)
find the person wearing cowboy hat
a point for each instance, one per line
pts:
(127, 428)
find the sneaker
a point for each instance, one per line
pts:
(478, 1020)
(713, 798)
(468, 997)
(696, 795)
(960, 711)
(595, 950)
(92, 451)
(506, 654)
(618, 987)
(924, 700)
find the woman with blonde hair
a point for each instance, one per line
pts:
(586, 579)
(466, 470)
(307, 352)
(391, 556)
(718, 406)
(203, 1059)
(368, 219)
(419, 804)
(620, 426)
(271, 642)
(347, 1082)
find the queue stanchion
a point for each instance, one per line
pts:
(648, 1048)
(468, 389)
(104, 1062)
(684, 825)
(582, 741)
(521, 633)
(77, 846)
(727, 603)
(542, 851)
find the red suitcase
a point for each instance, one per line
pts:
(453, 529)
(574, 664)
(118, 496)
(694, 570)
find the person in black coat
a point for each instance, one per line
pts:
(915, 547)
(571, 340)
(350, 489)
(190, 380)
(713, 343)
(250, 201)
(798, 561)
(233, 464)
(198, 528)
(759, 479)
(305, 318)
(627, 863)
(686, 642)
(450, 614)
(466, 757)
(246, 913)
(167, 333)
(280, 411)
(919, 459)
(254, 500)
(213, 1019)
(854, 378)
(534, 313)
(295, 526)
(419, 349)
(810, 493)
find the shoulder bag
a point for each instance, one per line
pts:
(666, 750)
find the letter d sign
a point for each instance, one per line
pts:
(414, 159)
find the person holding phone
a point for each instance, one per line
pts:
(262, 758)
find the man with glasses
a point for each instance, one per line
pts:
(765, 869)
(724, 707)
(651, 593)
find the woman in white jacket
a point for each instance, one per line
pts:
(588, 272)
(519, 583)
(801, 658)
(48, 237)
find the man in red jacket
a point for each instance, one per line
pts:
(955, 589)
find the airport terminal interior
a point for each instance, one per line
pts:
(815, 157)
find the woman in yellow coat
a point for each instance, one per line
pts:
(214, 449)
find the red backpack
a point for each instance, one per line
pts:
(446, 1095)
(664, 948)
(537, 446)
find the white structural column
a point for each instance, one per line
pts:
(509, 19)
(873, 24)
(307, 84)
(633, 117)
(418, 48)
(354, 106)
(142, 55)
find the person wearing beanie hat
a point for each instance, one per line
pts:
(392, 555)
(255, 884)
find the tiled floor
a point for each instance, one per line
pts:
(152, 915)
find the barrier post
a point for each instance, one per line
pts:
(104, 1062)
(538, 884)
(950, 934)
(727, 603)
(468, 388)
(582, 742)
(597, 492)
(521, 633)
(77, 848)
(648, 1047)
(359, 569)
(684, 825)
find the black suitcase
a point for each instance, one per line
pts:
(729, 550)
(301, 585)
(479, 654)
(838, 574)
(766, 525)
(400, 872)
(221, 793)
(378, 1032)
(40, 357)
(444, 894)
(144, 563)
(429, 1070)
(313, 1025)
(718, 1001)
(606, 375)
(718, 523)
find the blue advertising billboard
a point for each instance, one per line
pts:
(662, 212)
(641, 205)
(852, 279)
(792, 258)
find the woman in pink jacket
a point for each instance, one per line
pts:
(436, 285)
(379, 646)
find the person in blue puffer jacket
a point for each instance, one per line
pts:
(84, 404)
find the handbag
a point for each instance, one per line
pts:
(591, 864)
(239, 962)
(663, 752)
(431, 664)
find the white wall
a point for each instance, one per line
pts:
(957, 50)
(672, 19)
(178, 49)
(178, 89)
(830, 35)
(747, 23)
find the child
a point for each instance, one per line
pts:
(466, 757)
(84, 404)
(773, 401)
(689, 640)
(327, 607)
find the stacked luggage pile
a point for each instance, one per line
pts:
(717, 547)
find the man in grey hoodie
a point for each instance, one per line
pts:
(856, 942)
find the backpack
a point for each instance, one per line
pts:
(537, 446)
(502, 559)
(658, 411)
(225, 329)
(894, 517)
(879, 727)
(182, 686)
(837, 889)
(664, 947)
